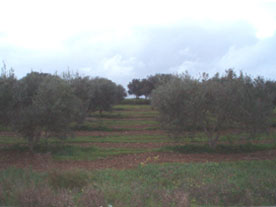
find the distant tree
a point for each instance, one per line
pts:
(160, 79)
(96, 94)
(120, 94)
(135, 88)
(81, 87)
(154, 81)
(45, 106)
(147, 87)
(213, 105)
(104, 94)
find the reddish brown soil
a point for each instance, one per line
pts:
(150, 145)
(45, 162)
(129, 118)
(140, 126)
(104, 133)
(8, 134)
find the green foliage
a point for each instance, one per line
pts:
(8, 84)
(45, 107)
(105, 94)
(213, 105)
(135, 87)
(145, 86)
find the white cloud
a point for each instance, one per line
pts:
(116, 68)
(256, 59)
(125, 39)
(45, 25)
(189, 66)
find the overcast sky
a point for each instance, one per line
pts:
(126, 39)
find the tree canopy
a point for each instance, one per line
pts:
(213, 105)
(45, 106)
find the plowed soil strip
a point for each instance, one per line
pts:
(114, 133)
(45, 162)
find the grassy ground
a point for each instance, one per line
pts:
(131, 134)
(243, 183)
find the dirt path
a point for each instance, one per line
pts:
(45, 162)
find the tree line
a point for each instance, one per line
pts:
(41, 105)
(223, 104)
(145, 86)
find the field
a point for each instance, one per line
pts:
(123, 158)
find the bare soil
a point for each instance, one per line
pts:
(140, 126)
(151, 145)
(112, 133)
(45, 161)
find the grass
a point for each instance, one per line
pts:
(220, 149)
(126, 107)
(244, 183)
(128, 111)
(135, 101)
(62, 152)
(116, 125)
(120, 139)
(11, 140)
(124, 137)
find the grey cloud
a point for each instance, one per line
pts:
(150, 50)
(171, 47)
(255, 59)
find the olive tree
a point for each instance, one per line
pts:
(7, 91)
(213, 105)
(82, 88)
(135, 87)
(45, 106)
(96, 94)
(104, 94)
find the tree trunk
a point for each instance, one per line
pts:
(213, 141)
(32, 142)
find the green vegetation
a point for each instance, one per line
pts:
(73, 152)
(136, 101)
(215, 105)
(220, 149)
(244, 183)
(131, 133)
